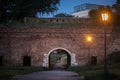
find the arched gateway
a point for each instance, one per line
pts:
(59, 57)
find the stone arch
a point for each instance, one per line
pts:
(59, 59)
(72, 56)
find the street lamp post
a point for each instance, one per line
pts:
(89, 40)
(104, 19)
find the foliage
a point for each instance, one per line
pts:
(116, 8)
(113, 12)
(95, 72)
(63, 15)
(34, 22)
(114, 57)
(95, 14)
(17, 9)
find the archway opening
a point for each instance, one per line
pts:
(59, 59)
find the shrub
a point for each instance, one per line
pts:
(114, 57)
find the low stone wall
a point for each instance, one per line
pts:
(56, 20)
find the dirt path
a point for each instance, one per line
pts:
(51, 75)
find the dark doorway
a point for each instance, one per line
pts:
(1, 60)
(93, 60)
(59, 59)
(26, 60)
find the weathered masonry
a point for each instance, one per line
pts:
(33, 46)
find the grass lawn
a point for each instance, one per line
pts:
(7, 73)
(96, 72)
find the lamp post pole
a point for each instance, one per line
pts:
(105, 18)
(105, 54)
(88, 53)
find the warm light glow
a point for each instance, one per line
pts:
(104, 16)
(89, 38)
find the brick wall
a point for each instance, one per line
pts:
(38, 42)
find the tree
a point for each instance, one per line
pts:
(95, 14)
(18, 9)
(63, 15)
(116, 8)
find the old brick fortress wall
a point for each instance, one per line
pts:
(40, 42)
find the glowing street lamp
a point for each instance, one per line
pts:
(104, 16)
(105, 19)
(89, 38)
